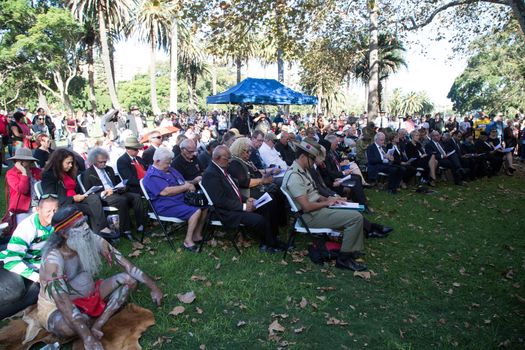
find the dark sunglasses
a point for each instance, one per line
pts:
(155, 137)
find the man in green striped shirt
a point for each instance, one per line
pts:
(20, 262)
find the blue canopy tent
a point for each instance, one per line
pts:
(261, 92)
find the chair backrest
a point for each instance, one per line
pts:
(38, 189)
(146, 195)
(79, 180)
(290, 201)
(210, 202)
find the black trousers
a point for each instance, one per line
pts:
(124, 202)
(261, 226)
(16, 293)
(92, 207)
(395, 175)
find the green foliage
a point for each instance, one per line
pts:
(137, 91)
(410, 103)
(494, 77)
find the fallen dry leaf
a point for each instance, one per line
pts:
(186, 298)
(202, 347)
(275, 327)
(456, 284)
(298, 330)
(303, 303)
(198, 278)
(138, 245)
(335, 321)
(174, 329)
(322, 297)
(135, 253)
(363, 274)
(177, 310)
(199, 310)
(241, 323)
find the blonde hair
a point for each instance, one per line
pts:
(239, 145)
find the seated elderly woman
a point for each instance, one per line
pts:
(166, 188)
(59, 178)
(254, 183)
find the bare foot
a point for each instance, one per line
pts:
(97, 333)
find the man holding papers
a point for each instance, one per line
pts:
(446, 160)
(300, 186)
(114, 192)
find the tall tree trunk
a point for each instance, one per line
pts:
(42, 100)
(174, 65)
(191, 102)
(91, 79)
(238, 64)
(366, 97)
(280, 66)
(380, 95)
(213, 76)
(518, 10)
(152, 73)
(106, 60)
(373, 82)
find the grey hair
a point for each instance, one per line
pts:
(57, 240)
(162, 154)
(186, 143)
(330, 138)
(219, 150)
(239, 145)
(95, 152)
(376, 136)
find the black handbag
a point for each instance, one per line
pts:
(195, 199)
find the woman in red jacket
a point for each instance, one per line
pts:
(21, 180)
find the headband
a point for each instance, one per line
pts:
(69, 221)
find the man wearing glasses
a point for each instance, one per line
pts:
(186, 162)
(155, 141)
(19, 281)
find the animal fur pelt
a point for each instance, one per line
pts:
(122, 331)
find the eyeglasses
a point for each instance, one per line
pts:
(48, 195)
(155, 137)
(41, 118)
(102, 161)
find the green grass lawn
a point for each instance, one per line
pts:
(451, 275)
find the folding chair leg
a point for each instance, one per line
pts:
(291, 239)
(170, 242)
(234, 243)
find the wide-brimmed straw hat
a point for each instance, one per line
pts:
(23, 154)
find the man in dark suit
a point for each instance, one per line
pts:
(330, 169)
(186, 162)
(445, 160)
(155, 140)
(101, 175)
(381, 162)
(130, 166)
(232, 208)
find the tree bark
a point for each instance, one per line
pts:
(91, 79)
(42, 100)
(373, 80)
(152, 73)
(174, 65)
(106, 59)
(238, 64)
(213, 76)
(518, 9)
(280, 66)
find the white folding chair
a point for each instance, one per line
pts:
(160, 219)
(300, 225)
(214, 222)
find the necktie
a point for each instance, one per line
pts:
(440, 149)
(382, 152)
(106, 177)
(234, 186)
(140, 170)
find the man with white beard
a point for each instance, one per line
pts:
(70, 302)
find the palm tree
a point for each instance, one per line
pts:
(109, 15)
(153, 24)
(191, 61)
(390, 51)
